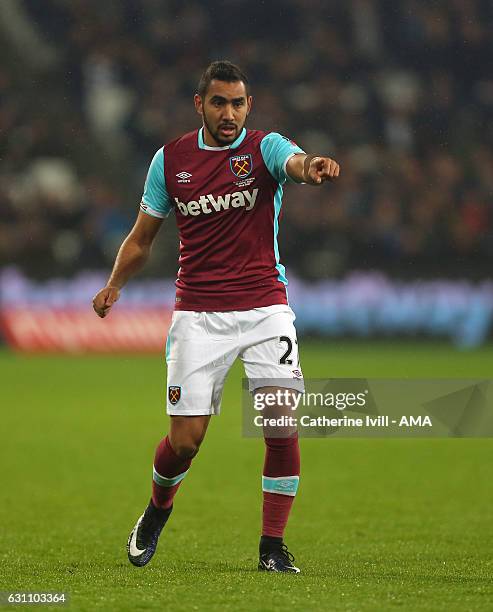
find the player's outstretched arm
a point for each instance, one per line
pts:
(312, 169)
(131, 257)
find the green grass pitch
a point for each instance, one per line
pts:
(377, 525)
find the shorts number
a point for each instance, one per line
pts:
(285, 358)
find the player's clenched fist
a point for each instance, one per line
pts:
(104, 300)
(322, 169)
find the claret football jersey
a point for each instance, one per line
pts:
(227, 203)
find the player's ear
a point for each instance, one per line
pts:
(249, 104)
(197, 100)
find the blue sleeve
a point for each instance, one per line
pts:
(155, 200)
(276, 151)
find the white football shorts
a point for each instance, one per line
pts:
(202, 346)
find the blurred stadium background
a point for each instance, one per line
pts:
(390, 272)
(400, 93)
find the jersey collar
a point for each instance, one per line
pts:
(233, 145)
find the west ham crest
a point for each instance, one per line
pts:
(174, 394)
(241, 165)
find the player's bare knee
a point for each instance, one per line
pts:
(186, 444)
(186, 449)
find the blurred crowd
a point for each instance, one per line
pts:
(400, 93)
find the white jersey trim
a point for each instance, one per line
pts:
(291, 180)
(145, 208)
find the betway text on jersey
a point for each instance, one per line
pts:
(207, 204)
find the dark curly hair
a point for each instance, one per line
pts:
(221, 70)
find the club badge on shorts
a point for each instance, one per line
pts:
(174, 394)
(241, 165)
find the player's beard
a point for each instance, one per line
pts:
(216, 134)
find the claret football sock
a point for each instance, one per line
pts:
(168, 471)
(279, 483)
